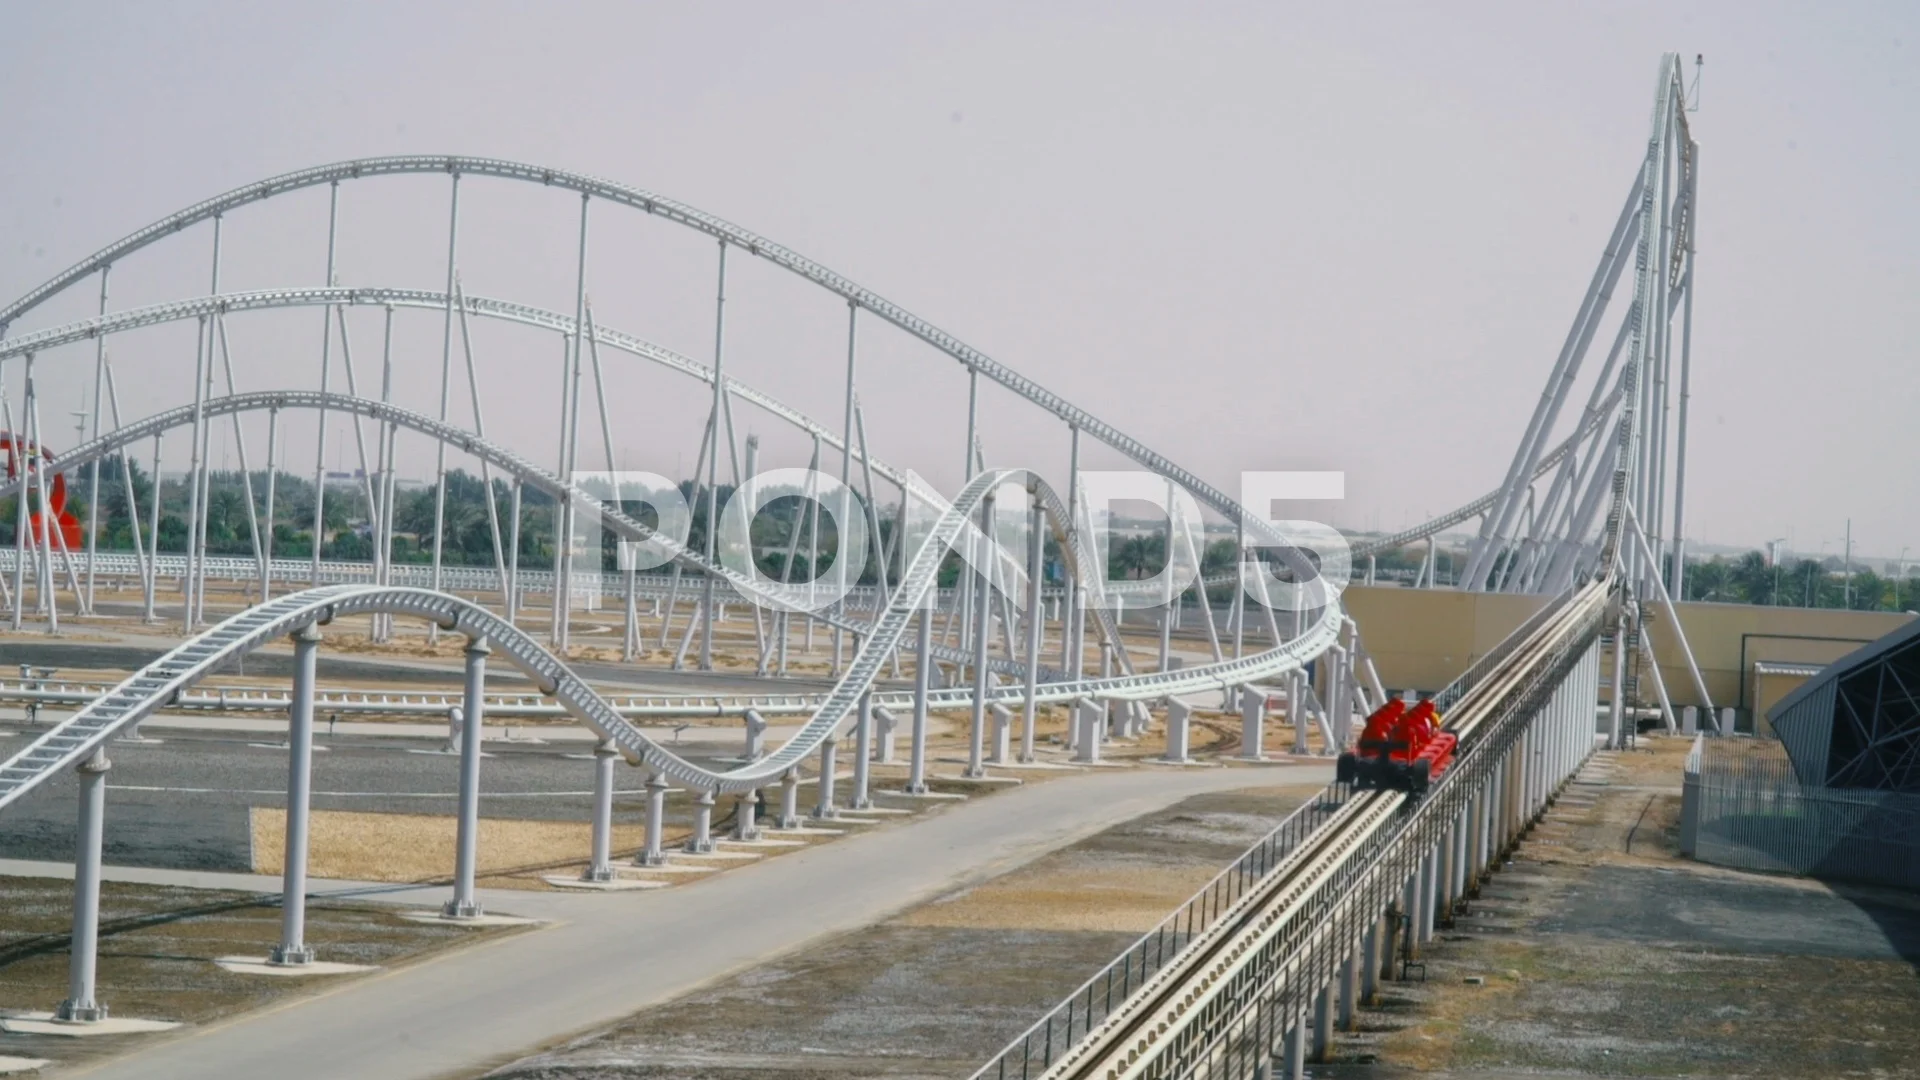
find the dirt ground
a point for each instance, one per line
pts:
(520, 853)
(940, 988)
(419, 847)
(157, 946)
(1601, 952)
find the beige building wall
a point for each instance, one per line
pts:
(1766, 687)
(1728, 639)
(1422, 638)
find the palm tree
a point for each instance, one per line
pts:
(1752, 579)
(226, 517)
(1707, 581)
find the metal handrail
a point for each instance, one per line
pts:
(1095, 999)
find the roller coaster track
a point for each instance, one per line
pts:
(667, 209)
(682, 214)
(157, 683)
(545, 482)
(1215, 985)
(1173, 1020)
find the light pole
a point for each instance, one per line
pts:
(1901, 573)
(1846, 582)
(1773, 556)
(1819, 564)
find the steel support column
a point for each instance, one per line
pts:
(789, 799)
(746, 815)
(80, 1004)
(700, 842)
(1323, 1021)
(823, 808)
(862, 754)
(1036, 546)
(922, 673)
(1429, 885)
(1297, 1047)
(1378, 949)
(982, 637)
(1349, 988)
(293, 949)
(601, 867)
(467, 842)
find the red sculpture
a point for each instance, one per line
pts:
(37, 458)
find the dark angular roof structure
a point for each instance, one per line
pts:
(1857, 723)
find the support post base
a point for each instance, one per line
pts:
(79, 1012)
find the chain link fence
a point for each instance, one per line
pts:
(1742, 806)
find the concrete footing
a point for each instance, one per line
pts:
(613, 884)
(718, 855)
(475, 921)
(676, 867)
(43, 1023)
(1090, 720)
(962, 778)
(260, 965)
(1179, 716)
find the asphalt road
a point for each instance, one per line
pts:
(182, 802)
(614, 954)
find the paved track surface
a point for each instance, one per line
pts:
(183, 801)
(612, 955)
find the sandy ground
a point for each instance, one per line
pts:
(520, 853)
(1604, 953)
(419, 847)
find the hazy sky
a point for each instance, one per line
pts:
(1254, 236)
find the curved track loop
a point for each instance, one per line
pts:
(750, 588)
(270, 299)
(616, 522)
(154, 685)
(700, 221)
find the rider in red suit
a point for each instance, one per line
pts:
(1414, 730)
(1380, 725)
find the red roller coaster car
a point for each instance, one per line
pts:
(1401, 749)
